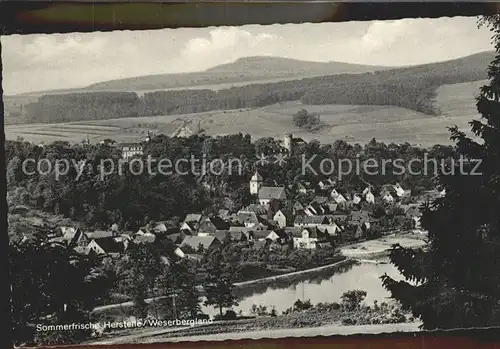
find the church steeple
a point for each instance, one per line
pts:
(255, 183)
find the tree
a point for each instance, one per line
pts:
(51, 284)
(352, 299)
(455, 281)
(144, 269)
(218, 285)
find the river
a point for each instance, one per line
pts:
(327, 285)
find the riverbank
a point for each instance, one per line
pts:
(367, 250)
(379, 248)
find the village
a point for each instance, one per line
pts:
(279, 215)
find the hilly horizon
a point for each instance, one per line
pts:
(247, 70)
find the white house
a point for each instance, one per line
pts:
(400, 192)
(356, 199)
(307, 240)
(280, 218)
(369, 197)
(387, 197)
(130, 150)
(332, 229)
(340, 199)
(334, 193)
(367, 190)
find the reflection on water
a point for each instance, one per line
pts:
(326, 285)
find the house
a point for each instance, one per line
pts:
(101, 234)
(208, 243)
(301, 188)
(106, 246)
(330, 207)
(332, 229)
(339, 217)
(280, 236)
(356, 199)
(307, 239)
(321, 200)
(165, 228)
(340, 200)
(74, 237)
(361, 218)
(193, 219)
(326, 184)
(334, 193)
(310, 221)
(260, 245)
(145, 239)
(130, 150)
(387, 197)
(266, 194)
(211, 224)
(176, 238)
(187, 227)
(280, 219)
(258, 209)
(224, 214)
(233, 235)
(369, 197)
(248, 219)
(314, 209)
(297, 206)
(367, 190)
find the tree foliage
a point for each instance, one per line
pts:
(455, 281)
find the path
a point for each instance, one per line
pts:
(155, 336)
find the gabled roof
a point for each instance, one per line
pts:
(281, 233)
(247, 217)
(193, 217)
(320, 199)
(195, 241)
(235, 235)
(145, 239)
(257, 208)
(270, 193)
(100, 234)
(293, 231)
(218, 223)
(313, 232)
(110, 245)
(310, 219)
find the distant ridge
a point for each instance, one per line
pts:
(259, 69)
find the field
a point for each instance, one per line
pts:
(353, 123)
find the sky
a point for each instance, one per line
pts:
(54, 61)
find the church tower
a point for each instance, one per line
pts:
(255, 183)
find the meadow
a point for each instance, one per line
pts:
(353, 123)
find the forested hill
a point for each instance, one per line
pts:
(241, 71)
(411, 87)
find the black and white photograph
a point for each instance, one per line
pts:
(287, 180)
